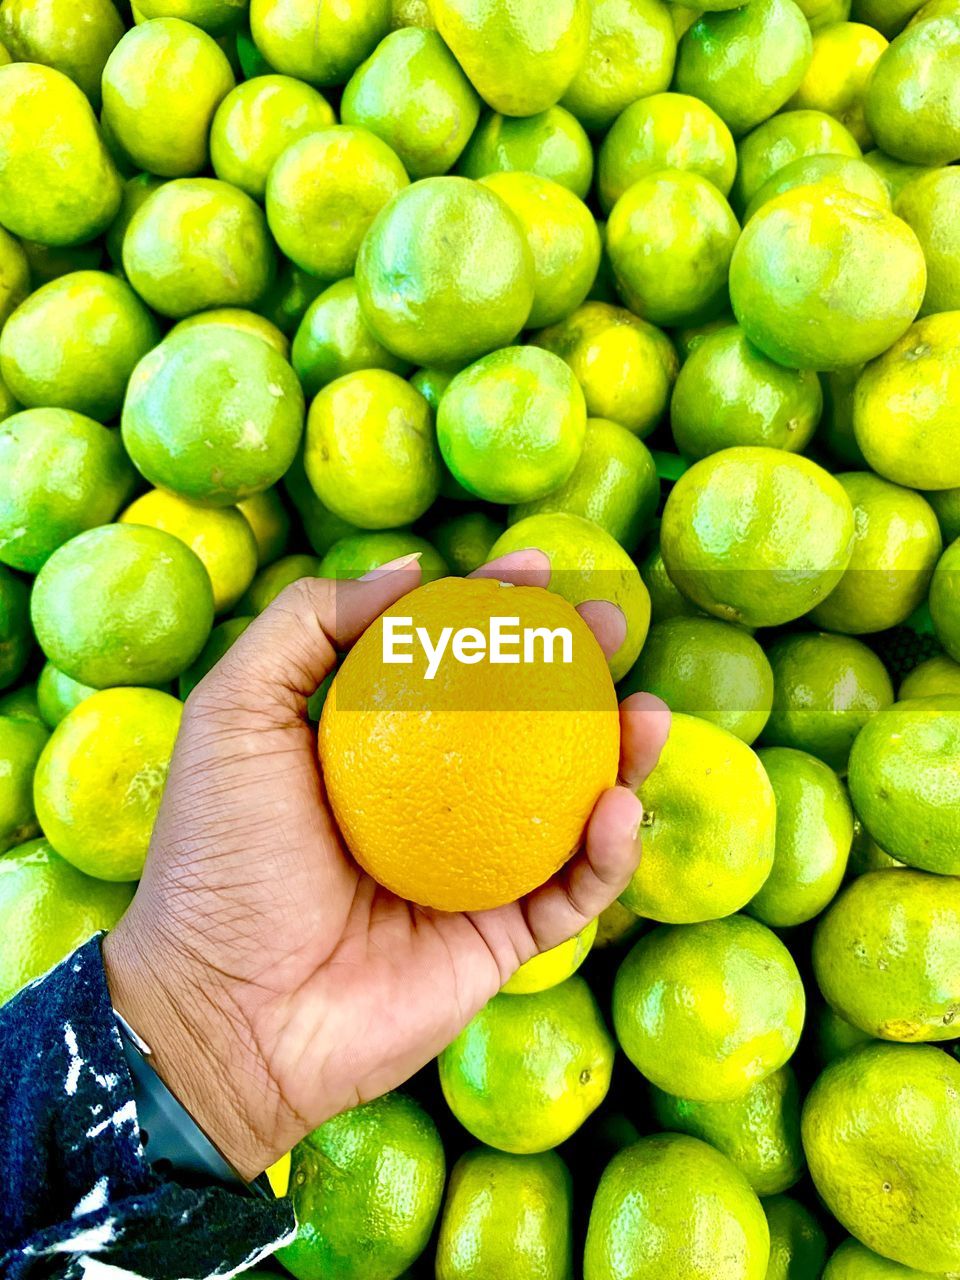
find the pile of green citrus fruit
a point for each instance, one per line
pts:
(671, 292)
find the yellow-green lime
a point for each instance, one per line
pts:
(8, 406)
(198, 243)
(16, 636)
(411, 13)
(520, 58)
(21, 742)
(60, 473)
(47, 909)
(287, 299)
(939, 674)
(122, 604)
(269, 520)
(511, 426)
(333, 339)
(270, 581)
(798, 1244)
(218, 17)
(865, 854)
(552, 143)
(665, 599)
(21, 703)
(888, 16)
(221, 539)
(630, 54)
(913, 99)
(745, 63)
(358, 553)
(58, 184)
(74, 37)
(671, 1206)
(242, 321)
(58, 694)
(467, 271)
(161, 86)
(905, 781)
(895, 174)
(759, 1131)
(849, 173)
(314, 181)
(136, 191)
(835, 1036)
(756, 535)
(881, 1130)
(853, 1261)
(729, 393)
(321, 46)
(213, 414)
(825, 689)
(74, 343)
(370, 450)
(614, 483)
(100, 778)
(814, 835)
(553, 966)
(527, 1071)
(933, 9)
(905, 402)
(625, 365)
(221, 638)
(412, 93)
(708, 826)
(616, 926)
(821, 278)
(256, 122)
(506, 1214)
(783, 138)
(844, 55)
(14, 275)
(946, 504)
(366, 1189)
(563, 239)
(465, 540)
(705, 1011)
(931, 206)
(586, 564)
(321, 526)
(670, 238)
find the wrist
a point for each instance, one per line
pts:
(199, 1045)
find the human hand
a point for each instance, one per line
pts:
(276, 982)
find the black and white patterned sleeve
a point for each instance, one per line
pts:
(77, 1197)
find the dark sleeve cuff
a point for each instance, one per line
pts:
(77, 1187)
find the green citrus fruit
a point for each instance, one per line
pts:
(21, 742)
(520, 58)
(814, 834)
(551, 143)
(267, 517)
(865, 854)
(60, 473)
(198, 243)
(798, 1244)
(75, 37)
(47, 909)
(852, 1261)
(320, 525)
(756, 536)
(333, 339)
(708, 826)
(221, 539)
(241, 320)
(614, 483)
(58, 184)
(881, 1129)
(370, 450)
(946, 504)
(270, 581)
(887, 16)
(464, 541)
(913, 100)
(849, 173)
(366, 1189)
(672, 1206)
(670, 238)
(136, 191)
(665, 600)
(358, 553)
(745, 63)
(511, 427)
(586, 564)
(844, 55)
(783, 138)
(16, 637)
(630, 54)
(256, 122)
(506, 1214)
(526, 1072)
(708, 669)
(563, 240)
(467, 273)
(412, 93)
(99, 780)
(905, 402)
(616, 926)
(945, 600)
(625, 366)
(321, 46)
(21, 703)
(821, 278)
(122, 604)
(213, 415)
(905, 782)
(931, 206)
(412, 13)
(729, 393)
(314, 181)
(221, 639)
(287, 299)
(835, 1036)
(705, 1011)
(825, 689)
(58, 694)
(218, 17)
(759, 1131)
(895, 174)
(551, 967)
(895, 548)
(14, 275)
(161, 86)
(939, 674)
(74, 342)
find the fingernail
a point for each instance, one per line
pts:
(635, 829)
(391, 566)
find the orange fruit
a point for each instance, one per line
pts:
(421, 770)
